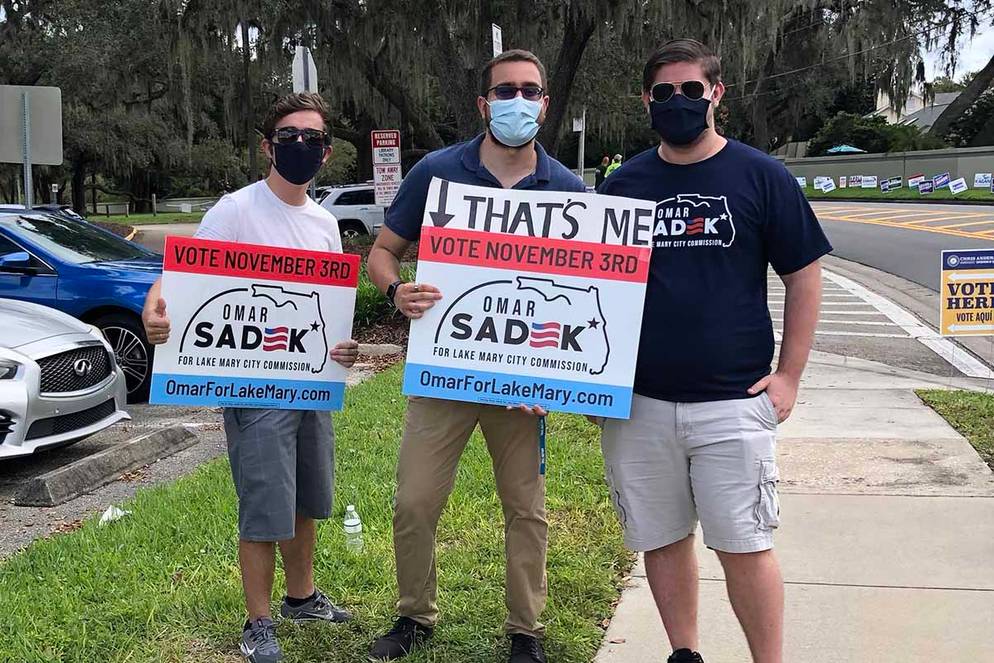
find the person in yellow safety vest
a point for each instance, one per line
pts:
(614, 165)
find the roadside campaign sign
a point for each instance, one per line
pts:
(542, 293)
(982, 180)
(915, 180)
(967, 297)
(940, 181)
(868, 181)
(958, 185)
(252, 326)
(925, 187)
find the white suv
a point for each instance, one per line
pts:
(355, 208)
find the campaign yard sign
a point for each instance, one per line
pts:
(827, 184)
(958, 185)
(802, 182)
(895, 182)
(542, 293)
(967, 297)
(940, 181)
(842, 181)
(925, 187)
(253, 326)
(869, 181)
(982, 180)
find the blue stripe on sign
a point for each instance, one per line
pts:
(502, 389)
(179, 389)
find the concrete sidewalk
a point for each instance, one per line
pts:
(886, 539)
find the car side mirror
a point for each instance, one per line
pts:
(18, 261)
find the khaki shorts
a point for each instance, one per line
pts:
(671, 464)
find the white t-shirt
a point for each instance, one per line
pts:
(255, 215)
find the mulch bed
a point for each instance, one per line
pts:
(392, 328)
(362, 248)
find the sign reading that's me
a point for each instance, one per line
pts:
(253, 326)
(542, 296)
(967, 296)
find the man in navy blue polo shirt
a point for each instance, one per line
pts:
(513, 103)
(701, 440)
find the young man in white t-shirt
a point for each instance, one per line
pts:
(282, 461)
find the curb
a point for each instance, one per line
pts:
(902, 201)
(87, 474)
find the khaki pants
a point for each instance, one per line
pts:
(435, 435)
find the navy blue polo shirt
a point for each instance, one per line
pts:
(718, 226)
(461, 163)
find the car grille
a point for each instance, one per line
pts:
(58, 374)
(65, 423)
(6, 425)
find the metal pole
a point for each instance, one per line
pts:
(155, 209)
(26, 143)
(583, 140)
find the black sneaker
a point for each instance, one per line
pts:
(526, 649)
(317, 608)
(405, 636)
(685, 656)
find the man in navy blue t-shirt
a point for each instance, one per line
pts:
(700, 443)
(512, 102)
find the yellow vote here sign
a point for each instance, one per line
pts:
(967, 296)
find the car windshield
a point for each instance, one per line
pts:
(74, 241)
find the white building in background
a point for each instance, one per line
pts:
(916, 110)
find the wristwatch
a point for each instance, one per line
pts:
(392, 291)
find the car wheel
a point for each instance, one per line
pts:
(351, 230)
(131, 350)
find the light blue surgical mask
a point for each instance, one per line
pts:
(514, 122)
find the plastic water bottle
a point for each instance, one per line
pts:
(353, 529)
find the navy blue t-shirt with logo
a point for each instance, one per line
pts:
(718, 224)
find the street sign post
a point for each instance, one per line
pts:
(498, 39)
(30, 129)
(580, 126)
(387, 174)
(966, 302)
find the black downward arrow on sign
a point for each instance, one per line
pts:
(441, 217)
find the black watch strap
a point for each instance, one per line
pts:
(392, 291)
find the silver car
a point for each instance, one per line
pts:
(354, 206)
(59, 381)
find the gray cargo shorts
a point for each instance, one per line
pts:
(283, 464)
(672, 463)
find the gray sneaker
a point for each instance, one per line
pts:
(259, 643)
(318, 609)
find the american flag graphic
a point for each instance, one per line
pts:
(545, 335)
(275, 339)
(696, 226)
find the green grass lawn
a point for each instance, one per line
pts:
(145, 219)
(163, 584)
(970, 413)
(903, 194)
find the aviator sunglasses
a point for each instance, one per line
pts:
(313, 137)
(662, 92)
(506, 91)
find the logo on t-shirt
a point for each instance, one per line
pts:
(692, 220)
(563, 323)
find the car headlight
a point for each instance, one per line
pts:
(8, 369)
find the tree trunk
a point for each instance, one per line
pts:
(962, 103)
(250, 145)
(79, 187)
(398, 96)
(577, 33)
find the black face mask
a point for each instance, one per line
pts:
(297, 162)
(679, 120)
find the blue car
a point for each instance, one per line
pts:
(59, 260)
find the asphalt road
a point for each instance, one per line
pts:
(905, 239)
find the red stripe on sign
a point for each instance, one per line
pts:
(545, 334)
(534, 254)
(544, 344)
(254, 261)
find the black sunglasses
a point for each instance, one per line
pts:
(313, 137)
(505, 92)
(661, 92)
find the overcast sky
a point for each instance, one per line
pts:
(973, 55)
